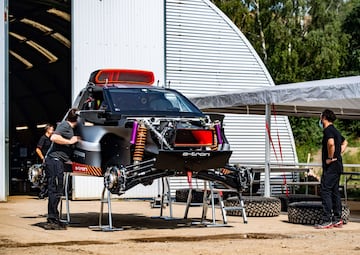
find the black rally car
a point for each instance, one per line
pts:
(134, 132)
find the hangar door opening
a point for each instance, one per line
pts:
(39, 79)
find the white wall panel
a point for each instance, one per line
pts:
(117, 34)
(4, 169)
(90, 187)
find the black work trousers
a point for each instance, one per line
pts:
(55, 175)
(330, 194)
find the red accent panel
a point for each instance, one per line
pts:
(86, 169)
(194, 137)
(124, 76)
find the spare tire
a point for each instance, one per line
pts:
(288, 199)
(254, 206)
(310, 213)
(181, 195)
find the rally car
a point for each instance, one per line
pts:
(133, 132)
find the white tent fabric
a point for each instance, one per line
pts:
(308, 99)
(342, 95)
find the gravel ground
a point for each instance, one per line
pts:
(22, 217)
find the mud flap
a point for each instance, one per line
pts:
(191, 160)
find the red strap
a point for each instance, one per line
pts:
(271, 141)
(280, 149)
(189, 178)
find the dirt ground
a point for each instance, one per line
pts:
(144, 233)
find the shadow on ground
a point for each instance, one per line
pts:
(125, 221)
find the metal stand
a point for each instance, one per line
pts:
(241, 207)
(210, 199)
(66, 198)
(103, 200)
(166, 194)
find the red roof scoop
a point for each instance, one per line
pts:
(122, 76)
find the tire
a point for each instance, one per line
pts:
(310, 213)
(181, 195)
(255, 206)
(288, 199)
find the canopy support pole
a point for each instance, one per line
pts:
(267, 151)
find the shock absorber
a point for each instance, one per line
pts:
(214, 146)
(140, 143)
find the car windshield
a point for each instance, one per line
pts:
(148, 100)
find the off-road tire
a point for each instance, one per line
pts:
(181, 195)
(255, 206)
(310, 213)
(291, 198)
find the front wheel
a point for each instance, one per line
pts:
(114, 179)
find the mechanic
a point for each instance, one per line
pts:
(333, 145)
(57, 160)
(42, 147)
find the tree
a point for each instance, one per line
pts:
(351, 26)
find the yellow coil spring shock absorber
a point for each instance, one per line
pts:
(215, 146)
(140, 143)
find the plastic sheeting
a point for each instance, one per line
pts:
(342, 95)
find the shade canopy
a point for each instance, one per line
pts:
(308, 99)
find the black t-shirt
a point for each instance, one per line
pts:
(62, 151)
(44, 144)
(332, 132)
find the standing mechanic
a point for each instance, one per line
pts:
(42, 147)
(57, 159)
(333, 145)
(44, 142)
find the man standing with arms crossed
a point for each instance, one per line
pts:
(57, 158)
(333, 145)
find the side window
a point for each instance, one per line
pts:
(93, 101)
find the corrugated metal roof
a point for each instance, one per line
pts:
(205, 51)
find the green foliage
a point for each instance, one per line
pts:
(350, 129)
(307, 135)
(304, 40)
(351, 158)
(351, 26)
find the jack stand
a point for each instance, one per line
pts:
(66, 198)
(105, 228)
(211, 199)
(241, 207)
(214, 193)
(166, 192)
(156, 203)
(189, 198)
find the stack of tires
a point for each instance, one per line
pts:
(255, 206)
